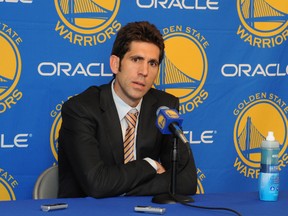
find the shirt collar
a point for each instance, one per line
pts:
(122, 107)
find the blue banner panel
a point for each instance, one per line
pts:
(225, 60)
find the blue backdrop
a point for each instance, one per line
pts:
(226, 61)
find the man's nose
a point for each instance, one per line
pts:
(144, 70)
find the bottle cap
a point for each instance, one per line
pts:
(270, 136)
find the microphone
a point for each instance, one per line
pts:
(168, 121)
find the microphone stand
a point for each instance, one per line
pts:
(172, 197)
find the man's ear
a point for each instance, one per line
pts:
(114, 63)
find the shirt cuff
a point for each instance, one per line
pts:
(151, 162)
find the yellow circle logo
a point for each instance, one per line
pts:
(263, 17)
(161, 121)
(172, 113)
(54, 134)
(87, 16)
(264, 22)
(10, 66)
(256, 118)
(200, 177)
(200, 189)
(6, 192)
(183, 70)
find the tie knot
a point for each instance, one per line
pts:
(131, 119)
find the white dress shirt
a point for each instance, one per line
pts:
(123, 109)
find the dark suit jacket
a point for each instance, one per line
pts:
(90, 149)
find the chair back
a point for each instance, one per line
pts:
(46, 186)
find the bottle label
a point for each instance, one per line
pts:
(268, 186)
(269, 156)
(266, 168)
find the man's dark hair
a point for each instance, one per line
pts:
(137, 31)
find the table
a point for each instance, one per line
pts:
(246, 203)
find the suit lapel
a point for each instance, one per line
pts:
(113, 126)
(111, 123)
(148, 111)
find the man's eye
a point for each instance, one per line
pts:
(154, 64)
(135, 59)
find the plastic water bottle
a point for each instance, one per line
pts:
(269, 173)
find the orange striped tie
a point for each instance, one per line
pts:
(131, 119)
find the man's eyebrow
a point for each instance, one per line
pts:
(142, 58)
(137, 56)
(154, 60)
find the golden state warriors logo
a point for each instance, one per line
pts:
(256, 115)
(200, 177)
(172, 114)
(161, 121)
(54, 133)
(87, 22)
(184, 68)
(264, 22)
(10, 68)
(7, 185)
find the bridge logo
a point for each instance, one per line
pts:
(200, 177)
(184, 68)
(256, 116)
(54, 133)
(10, 69)
(7, 185)
(263, 22)
(87, 22)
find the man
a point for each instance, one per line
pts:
(91, 140)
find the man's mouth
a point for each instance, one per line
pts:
(139, 83)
